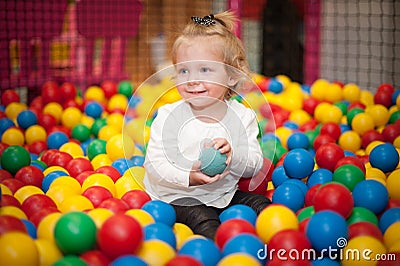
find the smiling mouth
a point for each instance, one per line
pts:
(197, 92)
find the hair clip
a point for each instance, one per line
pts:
(206, 20)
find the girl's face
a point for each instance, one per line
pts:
(201, 77)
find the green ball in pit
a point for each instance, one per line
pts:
(212, 161)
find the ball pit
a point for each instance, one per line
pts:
(79, 154)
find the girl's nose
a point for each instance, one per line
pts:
(193, 82)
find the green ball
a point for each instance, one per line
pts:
(311, 135)
(80, 132)
(97, 125)
(14, 158)
(361, 214)
(70, 260)
(394, 117)
(96, 147)
(348, 175)
(212, 161)
(352, 113)
(342, 106)
(125, 87)
(75, 233)
(305, 213)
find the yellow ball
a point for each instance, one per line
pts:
(100, 160)
(13, 109)
(76, 203)
(24, 192)
(372, 145)
(107, 132)
(72, 148)
(396, 142)
(94, 93)
(35, 133)
(379, 114)
(124, 184)
(283, 133)
(285, 80)
(398, 101)
(100, 215)
(155, 252)
(120, 146)
(350, 140)
(45, 229)
(351, 92)
(54, 109)
(87, 120)
(59, 193)
(48, 252)
(318, 89)
(291, 102)
(143, 217)
(321, 110)
(391, 235)
(71, 117)
(13, 136)
(238, 259)
(333, 93)
(273, 219)
(13, 211)
(393, 184)
(117, 102)
(182, 234)
(367, 245)
(101, 180)
(395, 247)
(51, 169)
(116, 120)
(366, 98)
(362, 123)
(375, 174)
(137, 172)
(300, 117)
(5, 190)
(333, 114)
(68, 182)
(18, 249)
(137, 130)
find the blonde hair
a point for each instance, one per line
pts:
(231, 47)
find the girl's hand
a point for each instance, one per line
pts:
(196, 177)
(223, 146)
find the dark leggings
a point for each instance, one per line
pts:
(204, 220)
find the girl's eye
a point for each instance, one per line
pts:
(205, 70)
(183, 71)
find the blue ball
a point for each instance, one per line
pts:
(5, 123)
(319, 176)
(344, 128)
(395, 94)
(306, 88)
(128, 260)
(122, 165)
(349, 153)
(245, 243)
(275, 86)
(50, 177)
(160, 231)
(290, 124)
(279, 176)
(137, 160)
(372, 195)
(298, 183)
(327, 229)
(56, 139)
(38, 165)
(161, 212)
(326, 261)
(269, 136)
(202, 249)
(26, 119)
(290, 195)
(30, 227)
(239, 211)
(212, 161)
(389, 217)
(93, 109)
(298, 140)
(298, 163)
(385, 157)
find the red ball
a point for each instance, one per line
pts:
(353, 161)
(258, 184)
(37, 147)
(328, 155)
(68, 91)
(109, 171)
(331, 129)
(95, 258)
(303, 225)
(280, 117)
(82, 176)
(72, 103)
(78, 165)
(60, 129)
(309, 125)
(5, 175)
(393, 203)
(391, 132)
(50, 92)
(30, 175)
(3, 146)
(8, 200)
(136, 198)
(231, 228)
(288, 240)
(47, 121)
(309, 198)
(115, 205)
(322, 139)
(37, 217)
(365, 229)
(37, 103)
(269, 194)
(60, 158)
(46, 155)
(97, 194)
(310, 104)
(13, 184)
(37, 202)
(370, 136)
(183, 260)
(109, 88)
(383, 97)
(10, 223)
(386, 87)
(356, 105)
(119, 235)
(9, 96)
(334, 197)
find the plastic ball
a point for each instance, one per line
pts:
(80, 132)
(298, 163)
(348, 175)
(384, 157)
(96, 147)
(101, 160)
(318, 89)
(351, 92)
(94, 93)
(335, 197)
(115, 205)
(49, 253)
(26, 119)
(326, 229)
(362, 123)
(391, 132)
(30, 228)
(393, 184)
(127, 260)
(160, 211)
(364, 245)
(384, 98)
(365, 229)
(137, 130)
(395, 116)
(212, 161)
(155, 252)
(101, 180)
(73, 149)
(350, 140)
(331, 129)
(34, 134)
(119, 235)
(30, 175)
(95, 257)
(183, 260)
(389, 217)
(276, 218)
(14, 158)
(327, 156)
(97, 125)
(75, 203)
(231, 228)
(245, 243)
(372, 195)
(143, 217)
(239, 211)
(125, 87)
(107, 132)
(100, 215)
(56, 139)
(238, 259)
(13, 109)
(298, 140)
(119, 146)
(9, 96)
(37, 202)
(13, 136)
(93, 109)
(47, 121)
(160, 231)
(54, 109)
(290, 195)
(68, 260)
(202, 249)
(391, 235)
(379, 114)
(319, 176)
(18, 248)
(361, 214)
(10, 223)
(71, 117)
(117, 102)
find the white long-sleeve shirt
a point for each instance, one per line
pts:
(175, 144)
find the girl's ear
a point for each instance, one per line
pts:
(232, 82)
